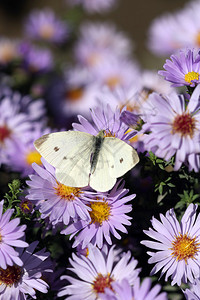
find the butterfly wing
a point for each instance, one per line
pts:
(100, 179)
(125, 156)
(69, 152)
(115, 159)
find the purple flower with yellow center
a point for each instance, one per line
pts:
(11, 235)
(97, 272)
(124, 291)
(107, 216)
(19, 282)
(104, 118)
(44, 25)
(26, 206)
(183, 68)
(114, 72)
(26, 152)
(80, 92)
(98, 40)
(177, 246)
(18, 116)
(13, 125)
(174, 128)
(55, 200)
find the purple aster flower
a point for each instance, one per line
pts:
(93, 6)
(124, 291)
(115, 72)
(34, 108)
(164, 35)
(13, 126)
(44, 25)
(55, 200)
(194, 292)
(19, 282)
(174, 128)
(38, 59)
(172, 32)
(182, 69)
(104, 118)
(96, 272)
(108, 214)
(81, 92)
(26, 206)
(18, 117)
(11, 235)
(26, 152)
(97, 41)
(177, 246)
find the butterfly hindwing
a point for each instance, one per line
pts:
(100, 179)
(124, 156)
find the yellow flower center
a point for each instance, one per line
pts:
(47, 31)
(74, 94)
(7, 52)
(184, 124)
(11, 275)
(26, 206)
(33, 156)
(101, 282)
(113, 81)
(191, 76)
(198, 39)
(67, 192)
(108, 134)
(184, 247)
(100, 212)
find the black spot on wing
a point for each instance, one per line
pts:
(64, 158)
(121, 160)
(112, 166)
(56, 149)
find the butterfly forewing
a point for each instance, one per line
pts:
(69, 152)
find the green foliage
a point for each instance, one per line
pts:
(12, 197)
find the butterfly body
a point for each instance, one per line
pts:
(82, 159)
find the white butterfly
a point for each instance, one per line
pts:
(82, 159)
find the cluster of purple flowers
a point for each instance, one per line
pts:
(103, 90)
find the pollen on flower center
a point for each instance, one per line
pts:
(26, 206)
(184, 247)
(108, 133)
(100, 212)
(4, 133)
(184, 124)
(33, 156)
(113, 81)
(67, 192)
(191, 76)
(11, 275)
(74, 94)
(101, 282)
(46, 31)
(198, 39)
